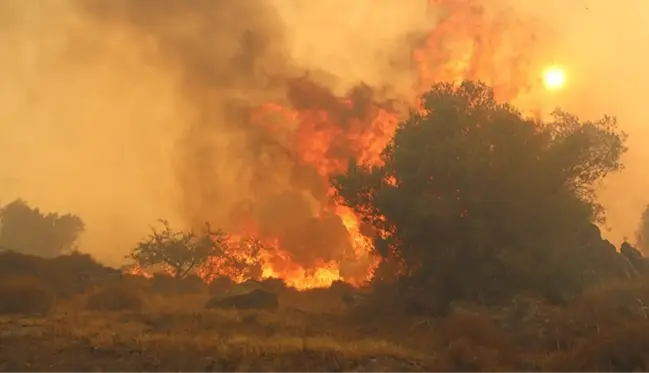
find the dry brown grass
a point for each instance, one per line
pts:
(604, 307)
(620, 349)
(174, 332)
(25, 295)
(115, 298)
(221, 340)
(473, 342)
(137, 325)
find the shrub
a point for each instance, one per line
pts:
(191, 284)
(115, 298)
(166, 284)
(12, 263)
(472, 342)
(25, 294)
(622, 348)
(220, 285)
(16, 264)
(136, 281)
(613, 301)
(77, 262)
(477, 328)
(162, 283)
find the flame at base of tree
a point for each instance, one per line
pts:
(136, 270)
(320, 131)
(248, 257)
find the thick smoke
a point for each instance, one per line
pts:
(126, 111)
(232, 57)
(228, 57)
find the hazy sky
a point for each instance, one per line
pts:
(86, 126)
(604, 46)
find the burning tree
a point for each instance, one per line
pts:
(239, 260)
(477, 201)
(180, 252)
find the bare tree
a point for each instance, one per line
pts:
(179, 251)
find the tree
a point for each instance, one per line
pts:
(179, 251)
(240, 260)
(642, 234)
(30, 231)
(477, 201)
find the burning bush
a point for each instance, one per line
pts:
(25, 294)
(115, 298)
(180, 252)
(208, 254)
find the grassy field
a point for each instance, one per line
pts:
(135, 326)
(175, 333)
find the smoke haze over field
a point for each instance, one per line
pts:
(126, 111)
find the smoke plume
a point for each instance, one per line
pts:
(236, 111)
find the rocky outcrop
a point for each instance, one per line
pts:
(245, 296)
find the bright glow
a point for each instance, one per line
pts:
(554, 78)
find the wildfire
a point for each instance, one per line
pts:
(137, 271)
(250, 257)
(321, 131)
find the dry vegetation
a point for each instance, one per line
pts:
(130, 324)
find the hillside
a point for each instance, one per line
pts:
(141, 326)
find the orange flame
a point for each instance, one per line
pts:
(323, 131)
(137, 271)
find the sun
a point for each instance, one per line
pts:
(554, 78)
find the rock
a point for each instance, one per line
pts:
(220, 285)
(634, 256)
(246, 296)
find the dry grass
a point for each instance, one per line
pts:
(174, 332)
(220, 340)
(25, 295)
(620, 349)
(139, 326)
(136, 325)
(115, 298)
(473, 342)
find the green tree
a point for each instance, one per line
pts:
(30, 231)
(475, 201)
(642, 234)
(179, 251)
